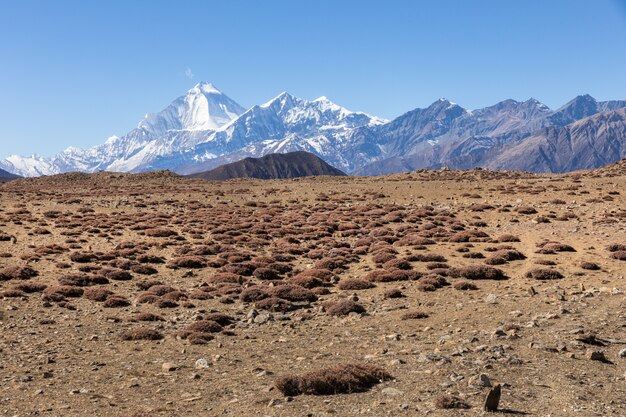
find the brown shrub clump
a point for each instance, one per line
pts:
(141, 333)
(354, 284)
(620, 255)
(448, 402)
(590, 266)
(543, 274)
(30, 287)
(339, 379)
(615, 247)
(473, 272)
(17, 272)
(343, 308)
(194, 262)
(465, 286)
(97, 294)
(292, 293)
(414, 315)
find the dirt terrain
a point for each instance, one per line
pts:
(156, 295)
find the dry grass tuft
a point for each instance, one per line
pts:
(543, 274)
(141, 333)
(414, 315)
(448, 402)
(343, 308)
(339, 379)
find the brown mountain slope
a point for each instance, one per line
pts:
(273, 166)
(7, 176)
(589, 143)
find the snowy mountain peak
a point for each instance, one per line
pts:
(204, 87)
(204, 107)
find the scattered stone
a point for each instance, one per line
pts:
(168, 367)
(493, 399)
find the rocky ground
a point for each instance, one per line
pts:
(155, 295)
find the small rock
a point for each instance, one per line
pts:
(202, 363)
(168, 367)
(597, 355)
(491, 299)
(493, 399)
(481, 380)
(622, 353)
(391, 391)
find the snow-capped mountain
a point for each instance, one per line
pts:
(185, 122)
(204, 129)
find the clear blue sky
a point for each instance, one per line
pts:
(76, 72)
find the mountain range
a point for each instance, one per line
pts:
(204, 129)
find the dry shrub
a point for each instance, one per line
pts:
(354, 284)
(394, 293)
(292, 293)
(243, 268)
(30, 287)
(164, 303)
(448, 402)
(97, 294)
(397, 264)
(226, 277)
(545, 262)
(192, 262)
(159, 232)
(620, 255)
(200, 295)
(17, 272)
(144, 285)
(160, 290)
(503, 256)
(116, 301)
(526, 210)
(83, 257)
(616, 247)
(326, 275)
(204, 326)
(146, 298)
(508, 238)
(339, 379)
(63, 291)
(382, 257)
(252, 294)
(543, 274)
(266, 274)
(390, 276)
(146, 317)
(474, 272)
(469, 236)
(82, 280)
(590, 266)
(426, 257)
(199, 338)
(414, 315)
(274, 304)
(343, 308)
(143, 269)
(220, 318)
(12, 293)
(551, 247)
(465, 286)
(116, 274)
(174, 296)
(141, 333)
(305, 281)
